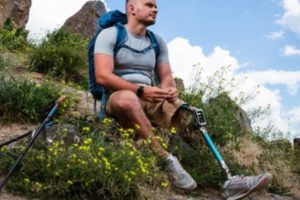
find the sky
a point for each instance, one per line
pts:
(257, 42)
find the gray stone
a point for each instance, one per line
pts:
(17, 11)
(85, 21)
(243, 120)
(297, 143)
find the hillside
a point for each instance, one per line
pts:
(246, 153)
(83, 157)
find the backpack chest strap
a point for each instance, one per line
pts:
(122, 38)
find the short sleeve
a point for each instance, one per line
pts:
(163, 57)
(106, 41)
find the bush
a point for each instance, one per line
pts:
(14, 39)
(62, 55)
(3, 63)
(25, 101)
(91, 169)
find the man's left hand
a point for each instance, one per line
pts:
(172, 94)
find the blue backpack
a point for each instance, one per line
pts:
(117, 19)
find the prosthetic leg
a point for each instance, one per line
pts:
(235, 187)
(201, 124)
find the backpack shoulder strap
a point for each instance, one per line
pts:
(154, 43)
(121, 37)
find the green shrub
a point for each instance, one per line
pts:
(14, 39)
(62, 55)
(25, 101)
(91, 169)
(3, 63)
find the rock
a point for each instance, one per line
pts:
(17, 11)
(85, 21)
(297, 143)
(67, 132)
(243, 120)
(179, 84)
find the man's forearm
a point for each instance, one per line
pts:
(115, 83)
(168, 82)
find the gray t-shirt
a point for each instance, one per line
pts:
(141, 64)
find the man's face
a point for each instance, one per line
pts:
(145, 11)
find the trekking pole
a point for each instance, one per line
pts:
(32, 132)
(21, 156)
(201, 123)
(16, 138)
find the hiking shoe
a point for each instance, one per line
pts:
(240, 186)
(180, 177)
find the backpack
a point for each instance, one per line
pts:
(117, 19)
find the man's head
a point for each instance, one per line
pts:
(142, 11)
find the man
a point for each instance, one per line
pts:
(133, 100)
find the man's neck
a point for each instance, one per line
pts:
(135, 28)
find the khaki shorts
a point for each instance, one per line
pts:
(160, 114)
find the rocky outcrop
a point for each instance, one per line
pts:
(179, 84)
(17, 11)
(243, 120)
(297, 143)
(297, 150)
(84, 22)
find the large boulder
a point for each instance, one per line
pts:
(17, 11)
(85, 21)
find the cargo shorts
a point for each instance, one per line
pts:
(162, 114)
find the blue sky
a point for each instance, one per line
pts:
(258, 39)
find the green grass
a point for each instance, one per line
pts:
(63, 56)
(24, 101)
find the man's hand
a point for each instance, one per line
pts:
(155, 94)
(173, 94)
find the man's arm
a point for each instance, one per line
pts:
(104, 65)
(167, 81)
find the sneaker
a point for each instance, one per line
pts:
(180, 177)
(239, 186)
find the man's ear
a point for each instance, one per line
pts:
(131, 9)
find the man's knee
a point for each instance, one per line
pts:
(124, 101)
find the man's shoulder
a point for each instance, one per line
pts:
(155, 34)
(158, 38)
(109, 30)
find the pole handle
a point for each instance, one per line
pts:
(61, 99)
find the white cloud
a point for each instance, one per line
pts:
(184, 56)
(293, 117)
(291, 18)
(46, 15)
(275, 35)
(273, 77)
(290, 50)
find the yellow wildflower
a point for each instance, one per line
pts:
(86, 129)
(173, 131)
(26, 180)
(164, 145)
(164, 184)
(70, 182)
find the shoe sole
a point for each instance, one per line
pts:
(192, 186)
(264, 181)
